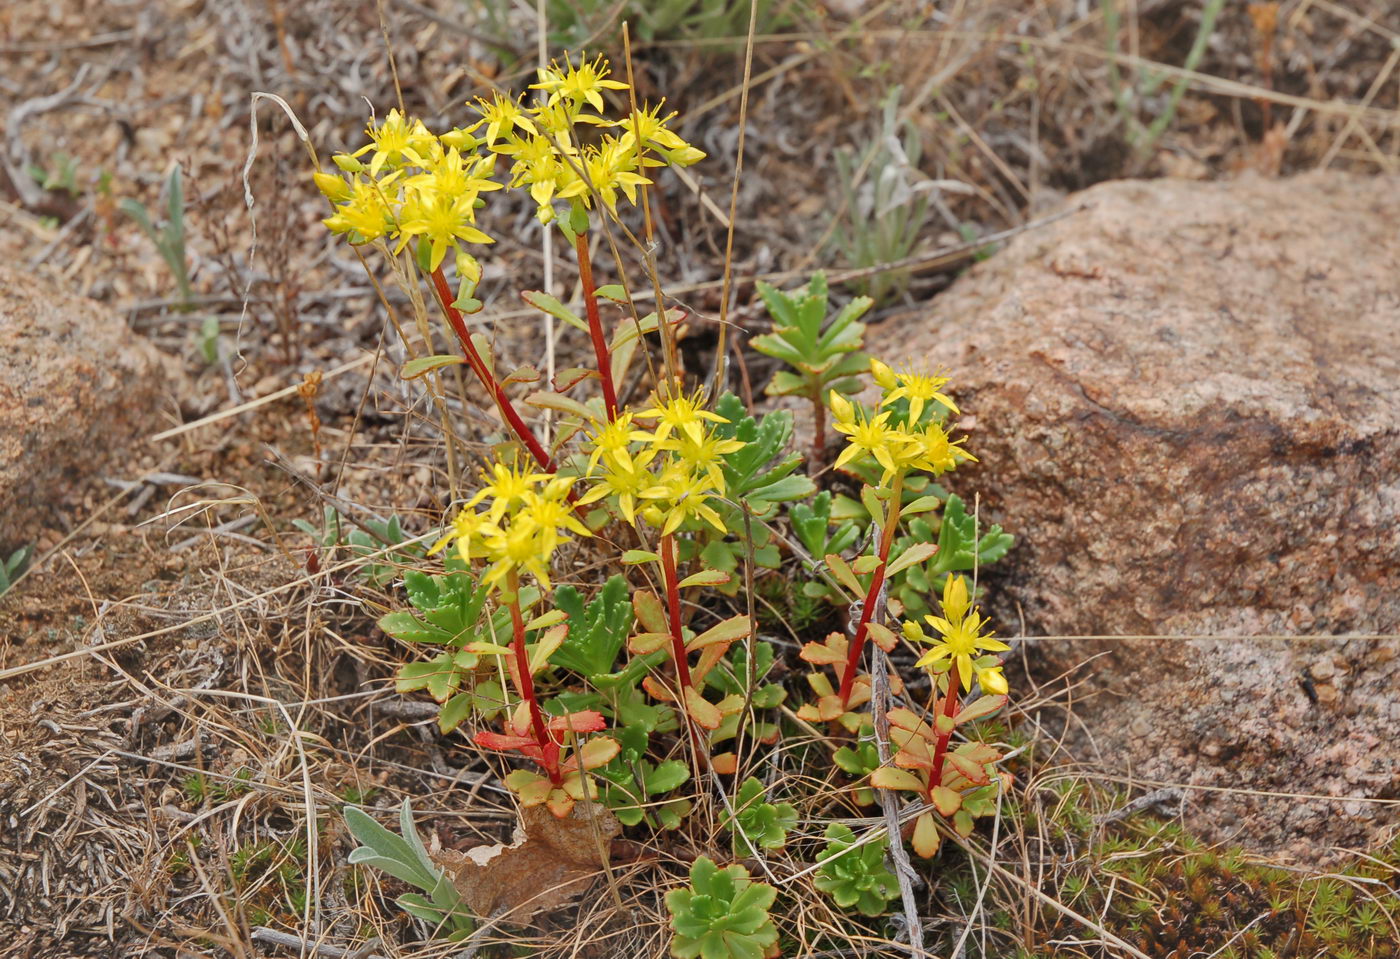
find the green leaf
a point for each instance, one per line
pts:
(423, 365)
(548, 304)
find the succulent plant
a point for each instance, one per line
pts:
(723, 915)
(763, 824)
(854, 874)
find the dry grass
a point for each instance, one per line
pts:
(172, 763)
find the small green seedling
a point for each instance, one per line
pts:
(169, 236)
(404, 857)
(723, 915)
(855, 875)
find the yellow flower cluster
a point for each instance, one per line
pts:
(408, 182)
(549, 156)
(961, 643)
(527, 517)
(666, 475)
(415, 184)
(900, 441)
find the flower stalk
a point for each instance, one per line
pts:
(940, 748)
(872, 595)
(595, 324)
(673, 609)
(488, 379)
(526, 682)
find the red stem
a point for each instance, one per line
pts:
(872, 595)
(940, 748)
(595, 325)
(488, 379)
(527, 686)
(673, 604)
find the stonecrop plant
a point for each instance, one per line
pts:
(586, 617)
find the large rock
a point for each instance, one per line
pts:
(1186, 398)
(76, 385)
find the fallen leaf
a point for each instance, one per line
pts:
(550, 862)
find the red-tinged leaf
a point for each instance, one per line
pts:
(887, 777)
(706, 577)
(808, 713)
(483, 349)
(547, 645)
(943, 724)
(979, 709)
(584, 721)
(522, 374)
(844, 574)
(643, 643)
(566, 380)
(829, 653)
(532, 788)
(736, 627)
(557, 401)
(945, 800)
(548, 304)
(830, 708)
(979, 752)
(657, 690)
(650, 613)
(885, 639)
(865, 565)
(912, 556)
(488, 649)
(726, 764)
(709, 659)
(902, 718)
(560, 803)
(705, 714)
(597, 752)
(423, 365)
(973, 772)
(500, 741)
(925, 839)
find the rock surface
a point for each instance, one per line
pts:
(1186, 397)
(75, 386)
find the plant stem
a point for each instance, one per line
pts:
(872, 595)
(940, 748)
(549, 757)
(595, 325)
(488, 379)
(678, 653)
(818, 435)
(673, 606)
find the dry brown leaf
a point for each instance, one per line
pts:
(550, 862)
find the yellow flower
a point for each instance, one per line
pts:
(468, 527)
(962, 643)
(528, 518)
(506, 486)
(366, 215)
(705, 455)
(918, 388)
(937, 453)
(685, 413)
(581, 84)
(451, 175)
(395, 141)
(608, 168)
(443, 220)
(625, 476)
(888, 445)
(649, 126)
(501, 117)
(678, 496)
(611, 440)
